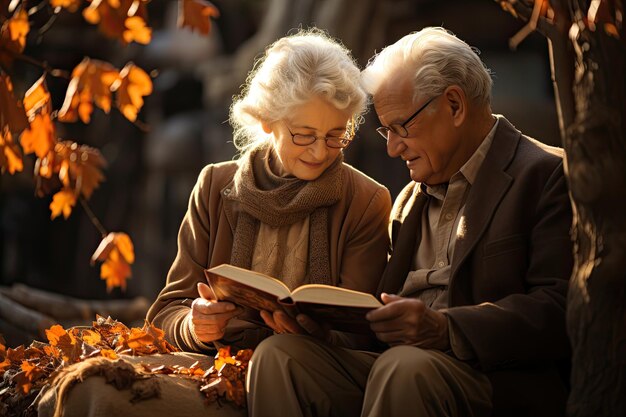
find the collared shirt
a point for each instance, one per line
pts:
(440, 225)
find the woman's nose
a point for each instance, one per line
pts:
(319, 149)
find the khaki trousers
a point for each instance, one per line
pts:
(296, 376)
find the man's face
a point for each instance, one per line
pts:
(432, 142)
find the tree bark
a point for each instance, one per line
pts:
(595, 144)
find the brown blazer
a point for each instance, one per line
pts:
(511, 264)
(358, 233)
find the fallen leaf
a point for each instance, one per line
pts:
(62, 202)
(132, 85)
(196, 15)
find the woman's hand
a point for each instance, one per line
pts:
(209, 317)
(280, 322)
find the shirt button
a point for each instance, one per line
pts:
(448, 216)
(226, 191)
(441, 264)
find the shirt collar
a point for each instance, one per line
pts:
(470, 169)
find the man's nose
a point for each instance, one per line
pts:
(395, 145)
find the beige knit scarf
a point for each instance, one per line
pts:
(278, 201)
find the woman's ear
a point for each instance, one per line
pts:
(267, 128)
(457, 102)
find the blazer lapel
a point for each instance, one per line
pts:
(487, 191)
(403, 248)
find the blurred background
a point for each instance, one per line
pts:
(151, 172)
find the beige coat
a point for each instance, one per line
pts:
(358, 234)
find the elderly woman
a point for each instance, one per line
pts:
(288, 207)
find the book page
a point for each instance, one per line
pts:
(251, 278)
(326, 294)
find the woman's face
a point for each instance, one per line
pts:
(316, 117)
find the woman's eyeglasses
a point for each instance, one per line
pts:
(400, 129)
(331, 141)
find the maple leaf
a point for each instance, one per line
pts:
(115, 270)
(70, 5)
(40, 137)
(79, 167)
(196, 15)
(66, 342)
(132, 85)
(111, 17)
(109, 329)
(13, 36)
(114, 239)
(10, 154)
(136, 30)
(12, 114)
(90, 84)
(62, 202)
(158, 337)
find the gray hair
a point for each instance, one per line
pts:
(293, 70)
(439, 60)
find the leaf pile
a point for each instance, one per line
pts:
(24, 371)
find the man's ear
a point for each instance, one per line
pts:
(457, 102)
(267, 127)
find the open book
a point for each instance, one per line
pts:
(341, 308)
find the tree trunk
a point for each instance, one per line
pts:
(595, 144)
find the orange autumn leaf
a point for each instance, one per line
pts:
(196, 15)
(131, 87)
(40, 137)
(111, 17)
(136, 30)
(66, 342)
(71, 5)
(13, 36)
(115, 270)
(10, 153)
(79, 167)
(90, 84)
(37, 98)
(62, 202)
(12, 114)
(118, 240)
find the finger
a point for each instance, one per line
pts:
(205, 291)
(387, 326)
(203, 306)
(393, 338)
(311, 326)
(268, 318)
(389, 298)
(288, 324)
(385, 313)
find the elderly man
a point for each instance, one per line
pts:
(474, 316)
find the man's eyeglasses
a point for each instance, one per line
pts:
(331, 141)
(400, 129)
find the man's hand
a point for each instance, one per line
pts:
(209, 317)
(407, 321)
(280, 322)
